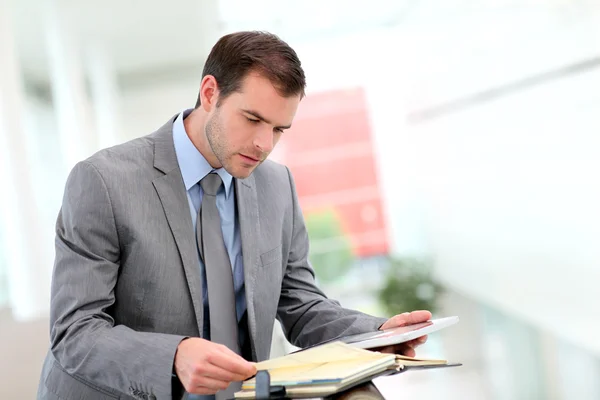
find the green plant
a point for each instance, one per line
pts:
(330, 252)
(408, 286)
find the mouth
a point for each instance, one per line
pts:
(250, 160)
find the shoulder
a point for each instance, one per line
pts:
(129, 156)
(117, 169)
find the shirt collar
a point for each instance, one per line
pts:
(192, 163)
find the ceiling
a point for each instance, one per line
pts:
(136, 36)
(144, 38)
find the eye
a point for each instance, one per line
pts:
(278, 130)
(254, 121)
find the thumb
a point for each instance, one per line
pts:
(407, 318)
(396, 321)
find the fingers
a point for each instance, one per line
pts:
(222, 374)
(409, 352)
(417, 342)
(206, 385)
(407, 318)
(388, 350)
(418, 316)
(227, 360)
(405, 349)
(409, 347)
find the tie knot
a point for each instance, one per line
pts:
(211, 184)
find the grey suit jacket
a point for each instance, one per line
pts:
(126, 287)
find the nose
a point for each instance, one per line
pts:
(264, 140)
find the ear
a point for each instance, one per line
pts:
(209, 93)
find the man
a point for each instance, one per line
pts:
(175, 252)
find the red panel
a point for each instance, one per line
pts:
(327, 130)
(373, 248)
(324, 122)
(336, 175)
(327, 103)
(363, 216)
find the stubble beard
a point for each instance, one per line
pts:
(215, 141)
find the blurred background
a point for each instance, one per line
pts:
(444, 158)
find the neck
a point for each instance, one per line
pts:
(194, 126)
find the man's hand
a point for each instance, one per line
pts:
(204, 367)
(408, 348)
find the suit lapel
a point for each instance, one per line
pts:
(249, 230)
(173, 197)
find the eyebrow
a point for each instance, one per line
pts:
(258, 116)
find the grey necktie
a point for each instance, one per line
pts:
(219, 277)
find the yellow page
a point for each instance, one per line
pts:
(330, 370)
(335, 351)
(328, 362)
(404, 360)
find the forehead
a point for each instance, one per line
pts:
(257, 93)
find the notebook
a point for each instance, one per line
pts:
(328, 369)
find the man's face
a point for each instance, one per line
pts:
(247, 125)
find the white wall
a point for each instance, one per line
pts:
(146, 108)
(512, 209)
(503, 194)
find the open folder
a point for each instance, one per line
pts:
(328, 369)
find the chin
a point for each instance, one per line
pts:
(242, 172)
(241, 176)
(239, 170)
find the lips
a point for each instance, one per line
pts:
(252, 158)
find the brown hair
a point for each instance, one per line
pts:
(237, 54)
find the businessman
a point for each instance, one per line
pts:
(176, 252)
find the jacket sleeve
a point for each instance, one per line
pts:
(84, 338)
(308, 317)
